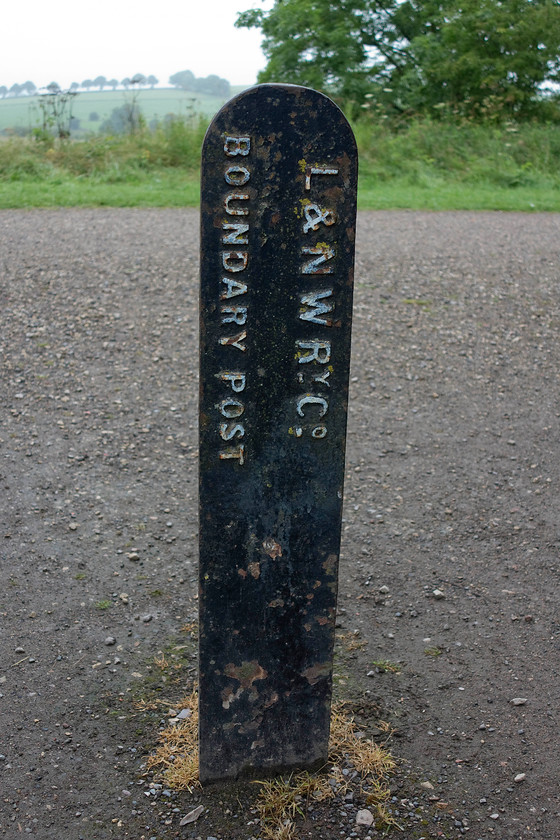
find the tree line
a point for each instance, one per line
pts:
(185, 80)
(473, 58)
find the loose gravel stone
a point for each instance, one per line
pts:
(364, 817)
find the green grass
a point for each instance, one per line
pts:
(424, 165)
(181, 189)
(454, 195)
(157, 189)
(103, 605)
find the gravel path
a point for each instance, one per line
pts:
(449, 564)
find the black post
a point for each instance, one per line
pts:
(279, 173)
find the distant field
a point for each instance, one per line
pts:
(22, 111)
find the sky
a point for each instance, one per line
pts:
(65, 41)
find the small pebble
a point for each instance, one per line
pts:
(364, 817)
(520, 777)
(146, 618)
(133, 555)
(192, 816)
(519, 701)
(438, 594)
(110, 640)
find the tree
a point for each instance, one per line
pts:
(29, 88)
(473, 56)
(15, 89)
(213, 85)
(152, 81)
(87, 83)
(3, 91)
(113, 83)
(99, 82)
(184, 79)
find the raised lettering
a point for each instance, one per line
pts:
(230, 407)
(308, 400)
(235, 341)
(319, 432)
(235, 379)
(320, 352)
(315, 216)
(235, 260)
(322, 378)
(234, 315)
(317, 170)
(236, 211)
(237, 235)
(234, 288)
(228, 431)
(238, 453)
(316, 308)
(237, 176)
(237, 146)
(316, 266)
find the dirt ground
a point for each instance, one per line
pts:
(449, 578)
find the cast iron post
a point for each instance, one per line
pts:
(279, 171)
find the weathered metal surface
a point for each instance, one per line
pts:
(279, 174)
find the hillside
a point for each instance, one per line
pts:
(22, 112)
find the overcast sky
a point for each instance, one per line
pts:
(67, 41)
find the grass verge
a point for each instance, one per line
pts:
(423, 165)
(165, 188)
(178, 188)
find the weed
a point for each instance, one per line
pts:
(433, 651)
(103, 605)
(160, 661)
(351, 641)
(191, 627)
(281, 800)
(425, 304)
(177, 753)
(383, 665)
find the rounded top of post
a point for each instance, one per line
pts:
(292, 104)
